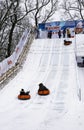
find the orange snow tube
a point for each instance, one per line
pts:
(67, 42)
(24, 97)
(43, 92)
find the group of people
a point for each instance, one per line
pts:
(41, 88)
(61, 33)
(65, 32)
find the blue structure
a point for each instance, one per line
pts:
(73, 26)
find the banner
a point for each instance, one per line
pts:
(61, 29)
(9, 62)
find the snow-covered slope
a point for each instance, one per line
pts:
(54, 64)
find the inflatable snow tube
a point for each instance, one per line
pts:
(67, 42)
(44, 92)
(24, 97)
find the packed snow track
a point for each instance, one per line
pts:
(53, 64)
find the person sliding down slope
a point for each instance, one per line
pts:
(43, 90)
(22, 92)
(42, 87)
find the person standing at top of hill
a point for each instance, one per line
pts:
(59, 33)
(68, 33)
(64, 32)
(49, 34)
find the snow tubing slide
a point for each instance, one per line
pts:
(44, 92)
(24, 97)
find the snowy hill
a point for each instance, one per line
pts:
(54, 64)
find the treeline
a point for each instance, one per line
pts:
(16, 15)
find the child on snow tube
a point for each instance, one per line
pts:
(43, 90)
(24, 95)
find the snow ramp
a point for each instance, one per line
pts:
(53, 64)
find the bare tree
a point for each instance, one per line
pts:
(73, 9)
(14, 13)
(11, 16)
(44, 10)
